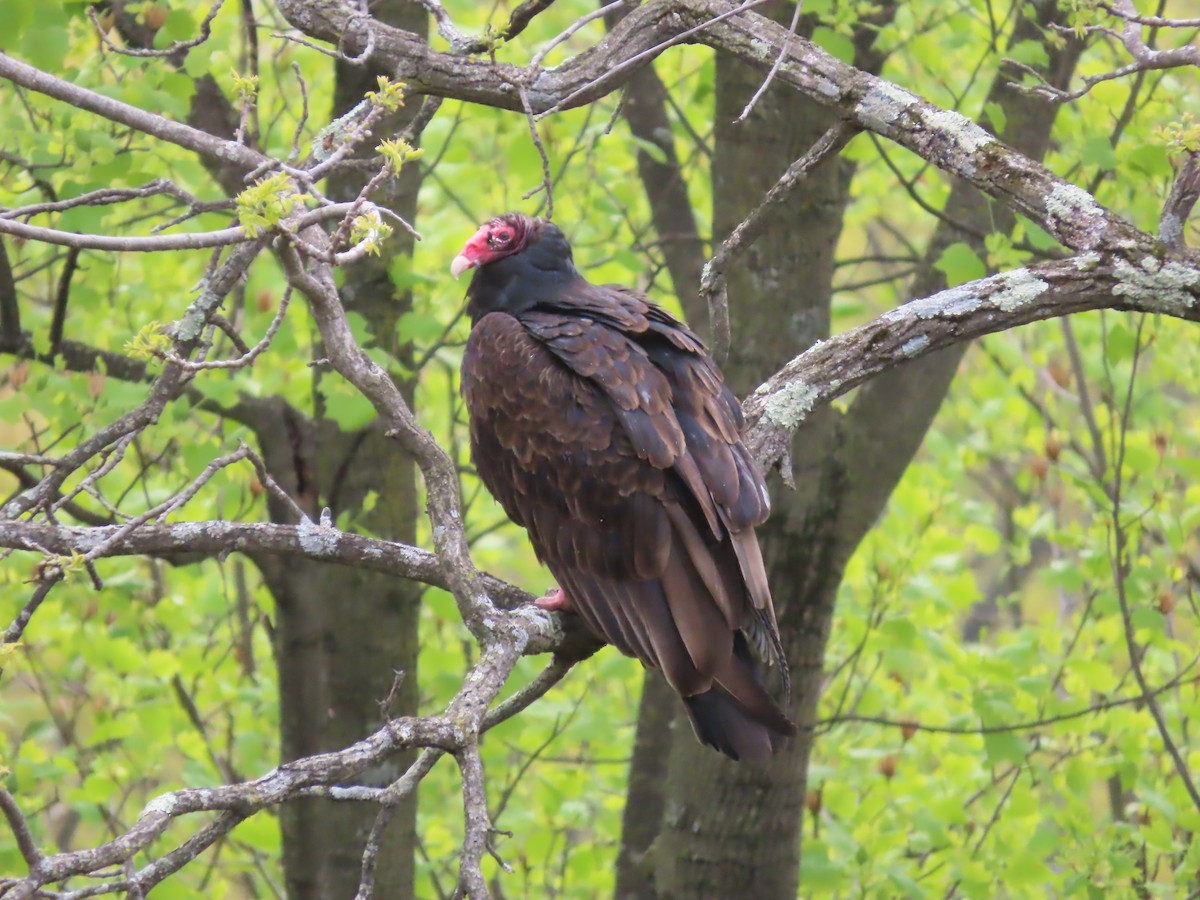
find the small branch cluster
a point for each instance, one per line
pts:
(1146, 58)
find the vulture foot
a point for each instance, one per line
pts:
(555, 598)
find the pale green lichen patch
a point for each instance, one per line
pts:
(1085, 262)
(914, 345)
(191, 324)
(1167, 286)
(1077, 209)
(317, 540)
(956, 301)
(828, 87)
(165, 804)
(336, 132)
(762, 50)
(1170, 229)
(789, 406)
(1019, 288)
(968, 136)
(882, 105)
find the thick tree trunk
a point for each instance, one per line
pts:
(732, 830)
(343, 635)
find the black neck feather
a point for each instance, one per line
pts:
(536, 276)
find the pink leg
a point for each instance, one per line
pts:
(555, 598)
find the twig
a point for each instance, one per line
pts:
(1185, 190)
(712, 279)
(554, 672)
(294, 154)
(824, 725)
(227, 328)
(537, 142)
(1127, 12)
(1145, 57)
(651, 53)
(565, 34)
(101, 197)
(176, 47)
(162, 510)
(249, 354)
(20, 830)
(199, 241)
(1098, 461)
(185, 136)
(446, 28)
(49, 576)
(403, 786)
(1120, 566)
(266, 538)
(522, 16)
(167, 387)
(783, 48)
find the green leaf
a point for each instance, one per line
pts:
(1098, 152)
(833, 42)
(1037, 236)
(999, 119)
(16, 15)
(1032, 53)
(1151, 159)
(960, 264)
(1120, 345)
(179, 26)
(651, 149)
(420, 327)
(817, 870)
(898, 632)
(349, 409)
(1004, 747)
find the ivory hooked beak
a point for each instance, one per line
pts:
(460, 265)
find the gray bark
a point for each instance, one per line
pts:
(336, 664)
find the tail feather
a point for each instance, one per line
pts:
(737, 716)
(721, 723)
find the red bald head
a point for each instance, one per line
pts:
(502, 236)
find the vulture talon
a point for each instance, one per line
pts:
(555, 598)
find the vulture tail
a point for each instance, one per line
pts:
(727, 724)
(720, 722)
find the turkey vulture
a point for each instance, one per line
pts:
(602, 427)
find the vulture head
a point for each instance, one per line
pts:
(519, 261)
(538, 245)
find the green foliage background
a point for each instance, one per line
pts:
(166, 679)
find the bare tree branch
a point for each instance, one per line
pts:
(307, 539)
(1090, 281)
(200, 241)
(115, 111)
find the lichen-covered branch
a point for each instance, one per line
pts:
(1149, 283)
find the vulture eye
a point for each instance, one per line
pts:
(500, 238)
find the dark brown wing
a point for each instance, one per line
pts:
(612, 440)
(716, 469)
